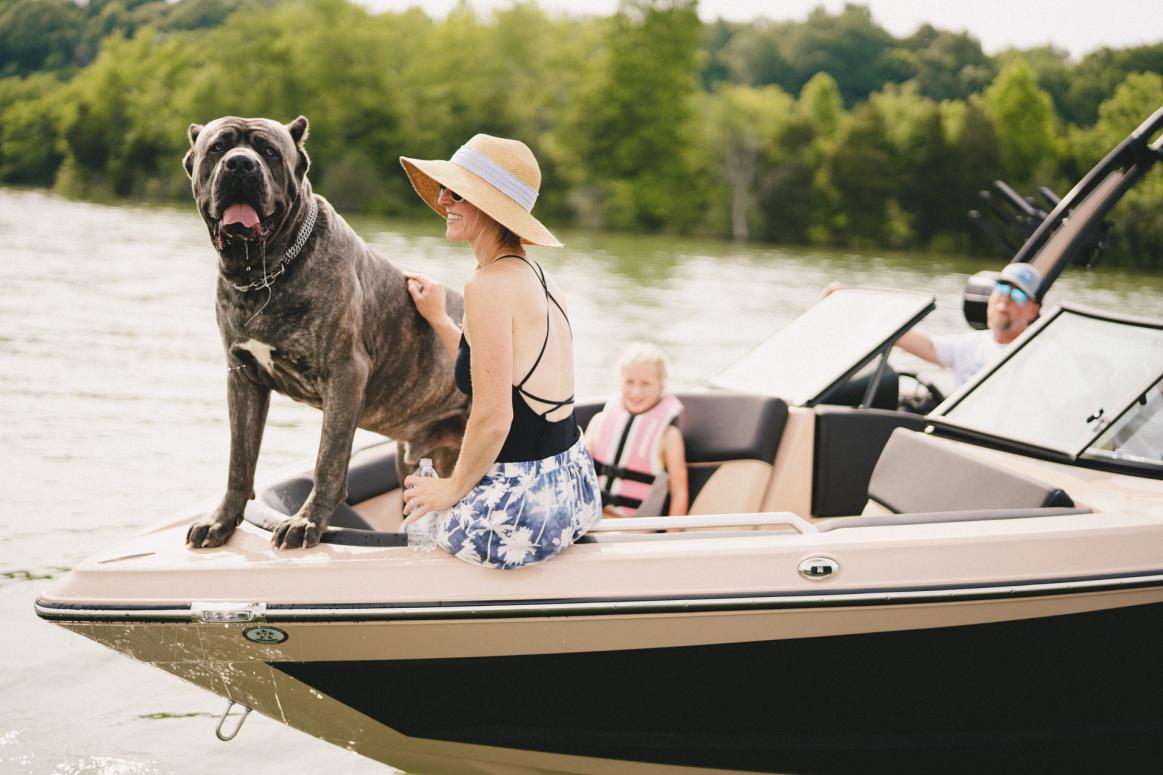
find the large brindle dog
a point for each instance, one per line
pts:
(306, 308)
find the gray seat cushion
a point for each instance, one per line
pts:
(917, 473)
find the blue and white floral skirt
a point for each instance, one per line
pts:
(524, 513)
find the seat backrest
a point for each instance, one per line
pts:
(848, 443)
(731, 440)
(918, 473)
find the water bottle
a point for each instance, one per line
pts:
(422, 532)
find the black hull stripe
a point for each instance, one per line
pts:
(617, 606)
(1076, 693)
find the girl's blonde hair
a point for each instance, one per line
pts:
(644, 352)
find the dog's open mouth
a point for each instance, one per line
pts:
(241, 221)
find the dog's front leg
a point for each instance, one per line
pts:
(342, 405)
(247, 405)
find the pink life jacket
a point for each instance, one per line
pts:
(628, 451)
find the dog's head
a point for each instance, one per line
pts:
(247, 175)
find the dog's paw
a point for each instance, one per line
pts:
(209, 533)
(296, 532)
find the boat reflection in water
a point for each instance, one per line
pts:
(858, 588)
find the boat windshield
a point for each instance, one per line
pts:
(1072, 378)
(1137, 436)
(826, 345)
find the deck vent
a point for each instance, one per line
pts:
(816, 568)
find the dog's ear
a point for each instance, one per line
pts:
(188, 161)
(299, 129)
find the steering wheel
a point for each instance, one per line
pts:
(925, 395)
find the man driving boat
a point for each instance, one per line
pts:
(1013, 305)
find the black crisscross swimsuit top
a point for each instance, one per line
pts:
(532, 436)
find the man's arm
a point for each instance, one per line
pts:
(918, 344)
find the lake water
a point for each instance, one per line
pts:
(112, 415)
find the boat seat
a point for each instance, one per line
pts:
(372, 472)
(918, 473)
(848, 443)
(731, 440)
(288, 496)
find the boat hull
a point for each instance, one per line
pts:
(1035, 682)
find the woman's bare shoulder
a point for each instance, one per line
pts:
(491, 284)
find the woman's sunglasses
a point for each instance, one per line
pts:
(455, 196)
(1017, 294)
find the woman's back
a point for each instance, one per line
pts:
(549, 373)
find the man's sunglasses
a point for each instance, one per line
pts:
(455, 196)
(1017, 294)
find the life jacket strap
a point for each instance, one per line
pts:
(620, 500)
(616, 472)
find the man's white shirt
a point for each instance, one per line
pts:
(967, 353)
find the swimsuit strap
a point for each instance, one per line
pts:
(520, 386)
(553, 405)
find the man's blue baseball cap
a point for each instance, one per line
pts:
(1024, 276)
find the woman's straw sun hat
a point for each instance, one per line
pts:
(498, 176)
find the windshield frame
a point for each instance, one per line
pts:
(1112, 460)
(730, 379)
(1071, 453)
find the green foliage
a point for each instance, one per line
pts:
(1138, 234)
(864, 175)
(744, 124)
(825, 130)
(974, 162)
(1027, 125)
(638, 124)
(821, 104)
(30, 151)
(118, 122)
(1139, 95)
(1098, 74)
(61, 35)
(1052, 71)
(946, 65)
(850, 46)
(36, 34)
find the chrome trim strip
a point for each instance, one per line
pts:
(130, 614)
(276, 613)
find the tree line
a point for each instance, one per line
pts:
(828, 130)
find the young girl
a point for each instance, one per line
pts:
(637, 449)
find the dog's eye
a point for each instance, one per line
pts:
(271, 153)
(217, 147)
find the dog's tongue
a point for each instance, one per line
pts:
(240, 213)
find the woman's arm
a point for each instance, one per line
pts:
(429, 297)
(489, 316)
(674, 461)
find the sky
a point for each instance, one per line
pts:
(1079, 26)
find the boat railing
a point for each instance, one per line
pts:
(752, 521)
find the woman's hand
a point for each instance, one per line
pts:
(424, 495)
(428, 296)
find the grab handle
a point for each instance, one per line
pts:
(774, 518)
